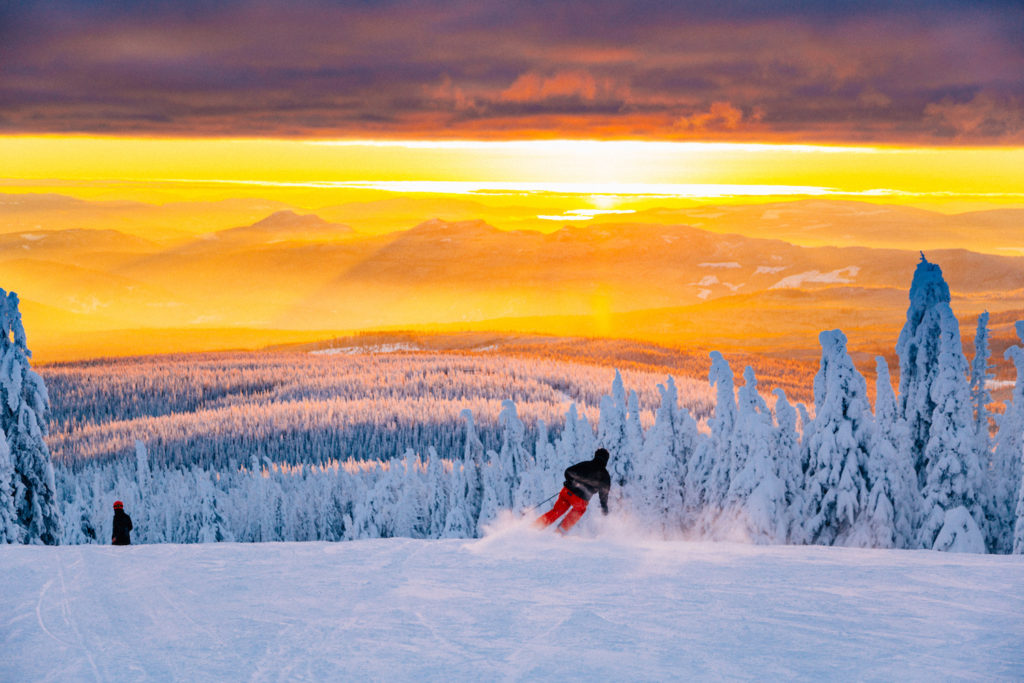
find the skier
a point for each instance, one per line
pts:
(122, 525)
(582, 481)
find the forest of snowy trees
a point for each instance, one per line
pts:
(928, 466)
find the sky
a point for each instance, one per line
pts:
(825, 71)
(920, 103)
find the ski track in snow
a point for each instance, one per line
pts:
(516, 605)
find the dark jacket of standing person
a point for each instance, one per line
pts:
(122, 526)
(586, 478)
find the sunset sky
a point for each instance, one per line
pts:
(862, 98)
(824, 71)
(541, 114)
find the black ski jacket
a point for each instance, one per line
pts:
(122, 528)
(586, 478)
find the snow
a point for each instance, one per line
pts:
(726, 264)
(375, 348)
(769, 270)
(960, 533)
(838, 276)
(516, 605)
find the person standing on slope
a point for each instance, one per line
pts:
(582, 481)
(122, 525)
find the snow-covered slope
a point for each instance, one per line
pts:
(516, 605)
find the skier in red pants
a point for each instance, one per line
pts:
(582, 481)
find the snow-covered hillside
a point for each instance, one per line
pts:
(515, 605)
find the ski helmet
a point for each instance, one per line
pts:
(118, 505)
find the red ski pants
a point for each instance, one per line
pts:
(566, 500)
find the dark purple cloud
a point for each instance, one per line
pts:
(940, 72)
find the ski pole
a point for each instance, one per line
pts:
(540, 503)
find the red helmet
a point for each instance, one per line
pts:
(118, 505)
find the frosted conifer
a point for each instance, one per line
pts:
(836, 451)
(935, 403)
(10, 532)
(787, 450)
(891, 471)
(981, 373)
(662, 466)
(755, 505)
(707, 478)
(611, 431)
(1008, 459)
(24, 404)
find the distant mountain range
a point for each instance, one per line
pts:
(670, 283)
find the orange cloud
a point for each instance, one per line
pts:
(572, 84)
(721, 116)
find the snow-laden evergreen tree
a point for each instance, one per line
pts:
(755, 506)
(1018, 530)
(887, 419)
(515, 457)
(24, 404)
(836, 483)
(661, 469)
(995, 508)
(437, 494)
(1008, 458)
(544, 451)
(935, 403)
(918, 351)
(954, 477)
(576, 442)
(981, 374)
(707, 476)
(634, 432)
(213, 528)
(408, 513)
(495, 494)
(611, 432)
(142, 467)
(893, 480)
(545, 475)
(500, 474)
(472, 469)
(10, 531)
(787, 449)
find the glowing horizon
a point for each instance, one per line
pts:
(181, 169)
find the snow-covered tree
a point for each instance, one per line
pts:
(661, 469)
(894, 499)
(837, 451)
(213, 527)
(436, 493)
(981, 373)
(460, 520)
(787, 449)
(1008, 459)
(887, 419)
(142, 466)
(24, 404)
(756, 505)
(500, 474)
(634, 432)
(611, 431)
(707, 476)
(918, 351)
(1018, 530)
(935, 403)
(10, 531)
(576, 442)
